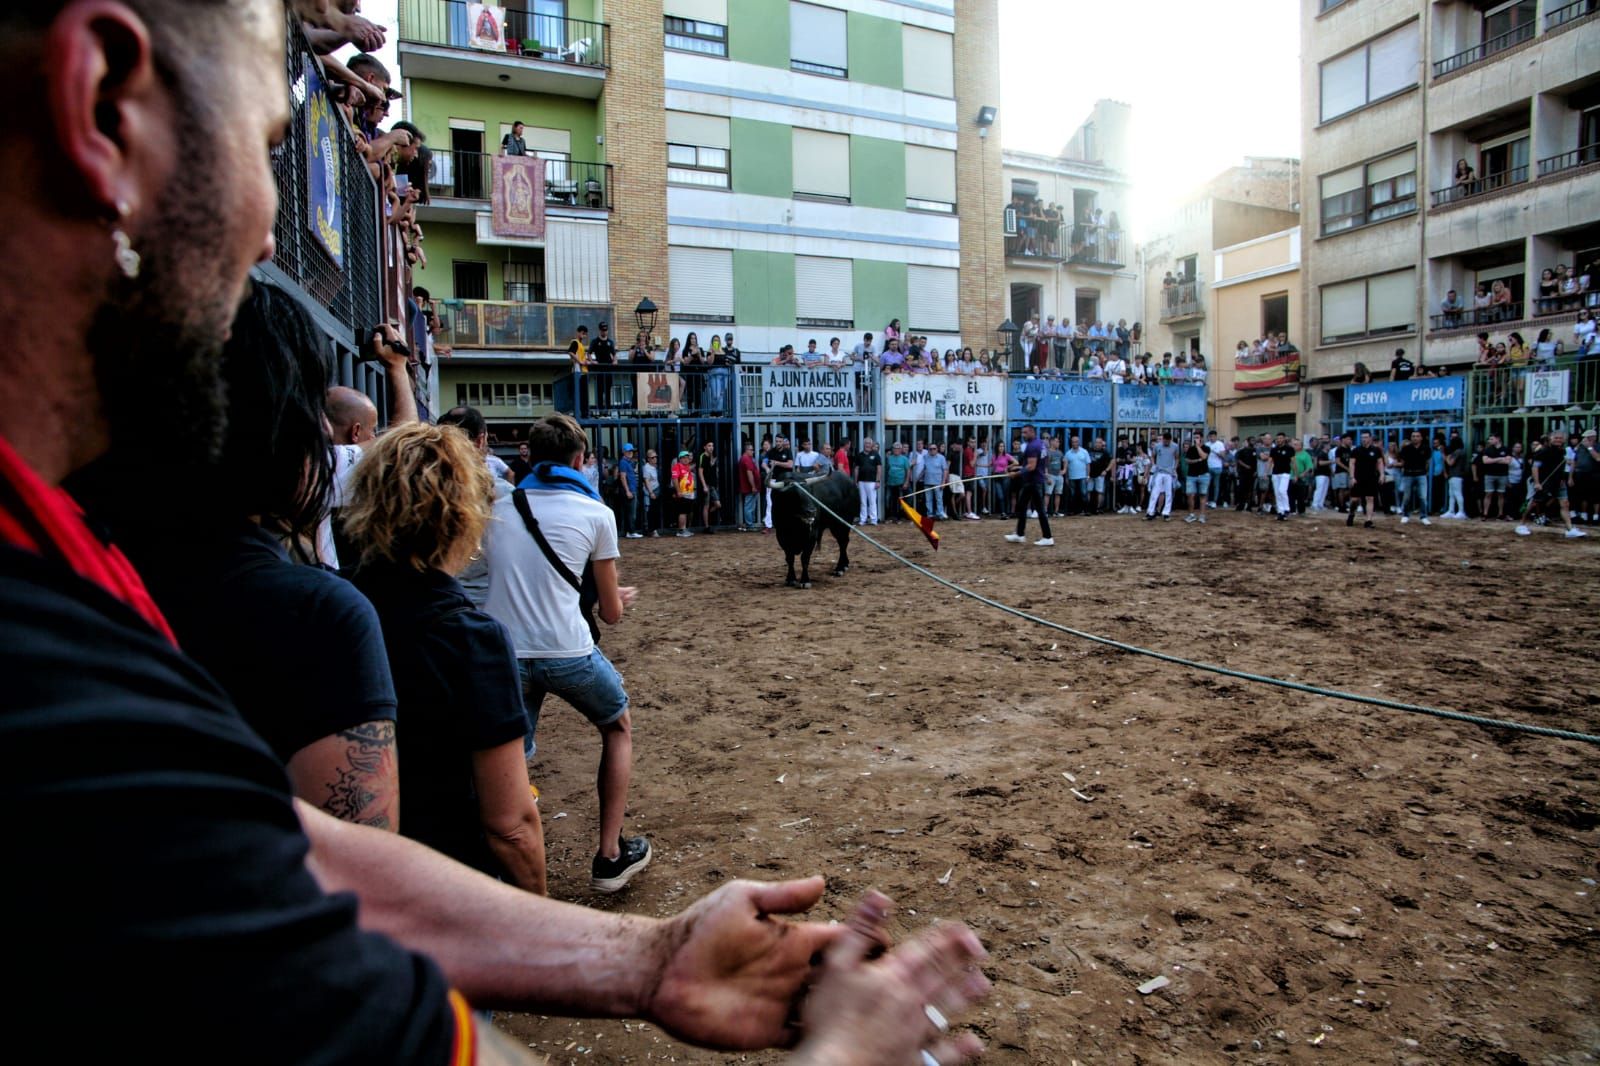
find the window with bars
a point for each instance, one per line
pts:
(689, 164)
(692, 35)
(524, 282)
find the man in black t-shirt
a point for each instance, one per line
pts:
(1365, 468)
(520, 467)
(603, 352)
(1401, 368)
(1282, 458)
(869, 464)
(706, 474)
(1244, 484)
(1415, 460)
(1550, 480)
(1495, 462)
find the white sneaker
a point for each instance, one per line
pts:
(1189, 518)
(1033, 514)
(1016, 538)
(1050, 542)
(1524, 531)
(1405, 518)
(1572, 534)
(1425, 521)
(1202, 519)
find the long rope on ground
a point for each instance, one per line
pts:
(1241, 675)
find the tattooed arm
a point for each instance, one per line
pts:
(353, 775)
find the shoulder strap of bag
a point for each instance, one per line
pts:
(520, 498)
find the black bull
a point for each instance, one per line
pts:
(800, 523)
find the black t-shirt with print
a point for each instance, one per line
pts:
(603, 351)
(867, 464)
(1415, 459)
(1368, 460)
(192, 899)
(1552, 464)
(1283, 458)
(781, 453)
(706, 465)
(1402, 368)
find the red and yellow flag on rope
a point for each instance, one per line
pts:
(924, 524)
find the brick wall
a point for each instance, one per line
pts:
(979, 187)
(636, 147)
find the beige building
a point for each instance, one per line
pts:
(1399, 94)
(1252, 200)
(1255, 292)
(1066, 223)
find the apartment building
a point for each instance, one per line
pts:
(1256, 198)
(1448, 145)
(772, 168)
(1067, 222)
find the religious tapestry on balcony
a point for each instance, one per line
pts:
(487, 27)
(1268, 373)
(518, 199)
(324, 191)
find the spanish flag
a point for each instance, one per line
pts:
(924, 524)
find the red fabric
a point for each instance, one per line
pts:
(50, 522)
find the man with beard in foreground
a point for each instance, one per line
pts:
(166, 893)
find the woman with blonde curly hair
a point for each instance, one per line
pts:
(419, 504)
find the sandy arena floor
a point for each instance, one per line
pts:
(1319, 881)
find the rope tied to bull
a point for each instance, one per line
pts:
(1214, 668)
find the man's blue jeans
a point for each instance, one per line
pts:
(1413, 486)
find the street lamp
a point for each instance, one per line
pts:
(1007, 332)
(645, 315)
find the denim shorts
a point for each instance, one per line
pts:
(1058, 482)
(591, 684)
(1492, 483)
(1341, 481)
(1097, 484)
(1197, 485)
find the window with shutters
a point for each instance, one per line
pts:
(1371, 72)
(930, 179)
(824, 292)
(700, 284)
(933, 299)
(1370, 307)
(817, 40)
(928, 61)
(822, 165)
(692, 35)
(697, 150)
(1372, 192)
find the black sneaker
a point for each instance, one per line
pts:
(1367, 525)
(1350, 519)
(613, 875)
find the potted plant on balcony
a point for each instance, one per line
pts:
(530, 47)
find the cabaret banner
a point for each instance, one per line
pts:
(943, 398)
(518, 197)
(658, 393)
(788, 390)
(486, 27)
(324, 187)
(1059, 400)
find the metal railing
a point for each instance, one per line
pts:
(552, 38)
(1180, 301)
(470, 176)
(1563, 15)
(1479, 52)
(513, 324)
(1578, 157)
(1468, 317)
(634, 390)
(1096, 246)
(1081, 243)
(1506, 388)
(1466, 190)
(352, 291)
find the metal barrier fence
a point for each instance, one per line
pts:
(470, 176)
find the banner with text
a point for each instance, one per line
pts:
(1138, 405)
(1402, 397)
(1546, 388)
(789, 390)
(943, 398)
(658, 393)
(1046, 400)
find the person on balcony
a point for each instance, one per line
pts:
(1464, 178)
(1583, 335)
(1501, 302)
(512, 143)
(1546, 349)
(1481, 301)
(1549, 292)
(603, 352)
(1450, 309)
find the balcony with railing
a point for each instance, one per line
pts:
(512, 325)
(567, 182)
(530, 52)
(1181, 301)
(1564, 385)
(1578, 157)
(1498, 316)
(1096, 246)
(1490, 47)
(1568, 13)
(634, 390)
(1466, 190)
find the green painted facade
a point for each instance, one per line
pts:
(758, 32)
(763, 157)
(434, 103)
(874, 50)
(763, 288)
(881, 293)
(877, 173)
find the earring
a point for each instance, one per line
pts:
(127, 258)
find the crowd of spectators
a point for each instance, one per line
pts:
(1049, 230)
(1561, 290)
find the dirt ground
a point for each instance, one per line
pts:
(1318, 880)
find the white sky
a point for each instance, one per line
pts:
(1210, 82)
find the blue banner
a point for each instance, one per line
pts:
(324, 180)
(1184, 404)
(1400, 397)
(1139, 405)
(1046, 400)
